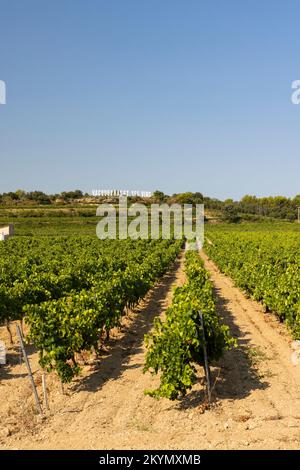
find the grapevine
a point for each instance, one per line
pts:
(176, 344)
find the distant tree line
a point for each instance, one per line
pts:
(229, 210)
(39, 197)
(278, 207)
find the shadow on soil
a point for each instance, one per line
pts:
(14, 357)
(114, 361)
(238, 377)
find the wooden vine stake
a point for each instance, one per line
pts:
(9, 332)
(36, 397)
(45, 391)
(206, 365)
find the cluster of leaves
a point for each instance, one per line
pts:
(266, 266)
(176, 345)
(75, 321)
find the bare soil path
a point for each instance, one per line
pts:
(257, 389)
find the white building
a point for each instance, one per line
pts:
(6, 232)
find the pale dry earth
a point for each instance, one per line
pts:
(257, 389)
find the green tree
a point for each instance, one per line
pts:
(159, 196)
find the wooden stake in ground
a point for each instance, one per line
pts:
(36, 397)
(9, 332)
(206, 365)
(45, 391)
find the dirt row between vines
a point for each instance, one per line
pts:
(257, 399)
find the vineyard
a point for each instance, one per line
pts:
(266, 266)
(149, 233)
(121, 319)
(73, 291)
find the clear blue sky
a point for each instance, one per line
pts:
(157, 94)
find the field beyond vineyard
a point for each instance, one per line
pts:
(68, 281)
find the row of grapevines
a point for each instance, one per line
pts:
(38, 270)
(266, 266)
(176, 344)
(61, 328)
